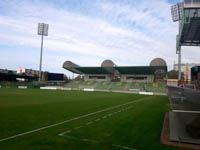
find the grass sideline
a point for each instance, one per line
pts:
(22, 110)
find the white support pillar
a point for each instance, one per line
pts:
(40, 69)
(179, 63)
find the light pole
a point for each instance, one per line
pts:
(42, 30)
(177, 13)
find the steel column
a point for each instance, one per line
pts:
(179, 63)
(40, 72)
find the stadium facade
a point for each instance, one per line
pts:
(109, 71)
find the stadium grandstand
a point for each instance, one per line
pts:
(110, 76)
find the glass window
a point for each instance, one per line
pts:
(187, 1)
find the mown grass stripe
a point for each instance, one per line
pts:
(73, 119)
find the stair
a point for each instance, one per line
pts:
(127, 86)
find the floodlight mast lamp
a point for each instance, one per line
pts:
(42, 30)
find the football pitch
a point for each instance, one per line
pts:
(32, 119)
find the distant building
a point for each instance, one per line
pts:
(4, 71)
(55, 77)
(46, 76)
(12, 75)
(26, 71)
(186, 69)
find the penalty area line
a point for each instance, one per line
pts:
(70, 120)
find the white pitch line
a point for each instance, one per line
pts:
(98, 119)
(123, 147)
(71, 137)
(76, 128)
(88, 140)
(88, 123)
(68, 131)
(73, 119)
(80, 139)
(95, 141)
(60, 134)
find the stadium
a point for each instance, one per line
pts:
(125, 78)
(105, 107)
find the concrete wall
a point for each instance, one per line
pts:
(172, 82)
(97, 78)
(149, 78)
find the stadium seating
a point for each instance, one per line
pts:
(148, 87)
(156, 87)
(73, 84)
(103, 85)
(136, 85)
(118, 86)
(81, 84)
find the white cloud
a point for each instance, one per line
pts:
(127, 34)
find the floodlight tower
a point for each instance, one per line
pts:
(177, 12)
(42, 30)
(188, 15)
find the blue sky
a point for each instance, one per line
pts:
(130, 32)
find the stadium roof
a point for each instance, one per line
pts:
(144, 70)
(110, 68)
(71, 67)
(190, 35)
(137, 70)
(189, 28)
(92, 70)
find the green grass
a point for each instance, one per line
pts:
(22, 110)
